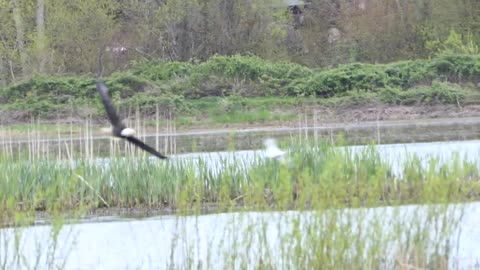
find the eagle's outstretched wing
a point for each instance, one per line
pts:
(145, 147)
(107, 102)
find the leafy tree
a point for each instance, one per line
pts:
(71, 36)
(7, 43)
(454, 44)
(79, 32)
(187, 30)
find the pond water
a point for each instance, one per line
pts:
(206, 240)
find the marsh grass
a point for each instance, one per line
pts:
(410, 237)
(316, 175)
(349, 206)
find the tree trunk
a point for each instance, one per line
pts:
(400, 11)
(17, 18)
(425, 11)
(41, 39)
(3, 72)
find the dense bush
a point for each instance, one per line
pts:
(294, 80)
(161, 70)
(437, 93)
(147, 84)
(403, 75)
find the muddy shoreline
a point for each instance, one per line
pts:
(320, 118)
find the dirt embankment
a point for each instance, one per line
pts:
(362, 115)
(318, 116)
(385, 112)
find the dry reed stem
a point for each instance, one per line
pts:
(95, 191)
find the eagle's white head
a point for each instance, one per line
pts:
(127, 132)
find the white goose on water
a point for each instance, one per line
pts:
(272, 150)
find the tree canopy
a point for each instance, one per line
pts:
(92, 36)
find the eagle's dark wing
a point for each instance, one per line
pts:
(145, 147)
(107, 102)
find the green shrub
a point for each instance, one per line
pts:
(457, 68)
(437, 93)
(157, 82)
(161, 70)
(53, 87)
(406, 74)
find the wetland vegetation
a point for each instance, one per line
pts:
(245, 89)
(349, 207)
(333, 207)
(178, 65)
(315, 176)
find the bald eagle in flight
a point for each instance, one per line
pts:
(118, 128)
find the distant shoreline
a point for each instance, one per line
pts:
(319, 118)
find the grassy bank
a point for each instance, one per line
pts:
(237, 86)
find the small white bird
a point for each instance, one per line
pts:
(272, 150)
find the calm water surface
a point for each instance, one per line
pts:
(206, 239)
